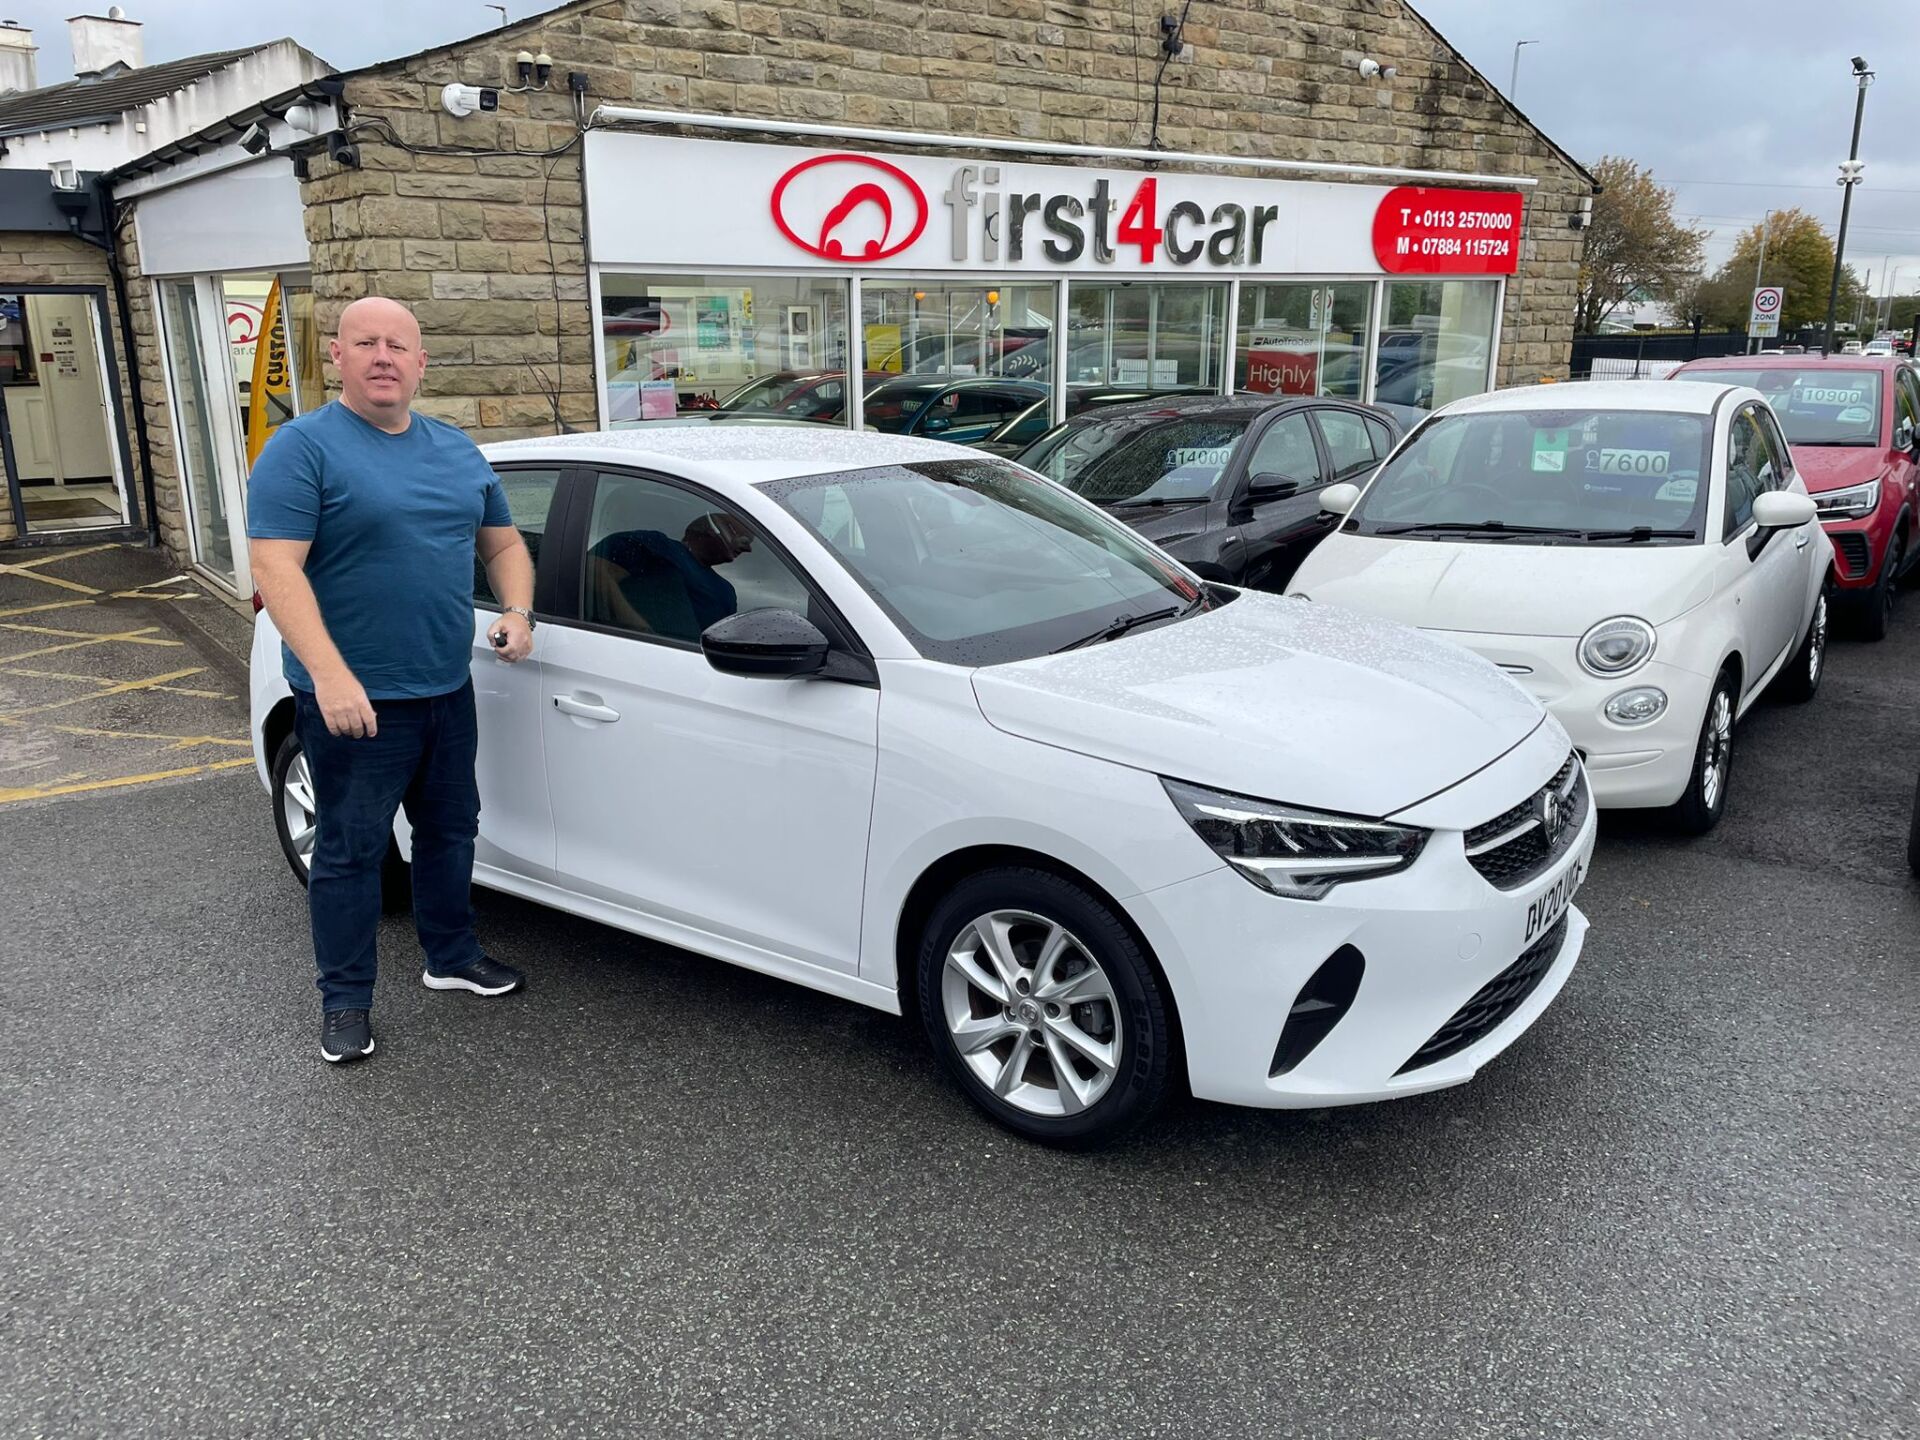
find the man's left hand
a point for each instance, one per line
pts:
(519, 638)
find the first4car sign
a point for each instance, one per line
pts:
(659, 200)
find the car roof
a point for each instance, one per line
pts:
(1696, 397)
(952, 382)
(731, 457)
(1775, 360)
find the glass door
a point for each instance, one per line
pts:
(63, 453)
(209, 496)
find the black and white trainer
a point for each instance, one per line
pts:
(345, 1035)
(485, 976)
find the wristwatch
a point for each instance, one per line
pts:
(520, 610)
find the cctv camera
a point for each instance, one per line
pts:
(1369, 68)
(256, 139)
(1859, 65)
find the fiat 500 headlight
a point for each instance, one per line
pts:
(1849, 504)
(1613, 647)
(1298, 853)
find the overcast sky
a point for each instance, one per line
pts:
(1741, 105)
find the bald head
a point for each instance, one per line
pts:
(380, 359)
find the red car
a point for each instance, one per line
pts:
(1854, 424)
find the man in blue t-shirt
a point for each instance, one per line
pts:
(364, 520)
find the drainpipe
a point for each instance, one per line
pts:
(104, 193)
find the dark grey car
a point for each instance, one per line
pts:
(1227, 484)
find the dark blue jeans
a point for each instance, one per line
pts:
(423, 758)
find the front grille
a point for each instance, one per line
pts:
(1493, 1002)
(1855, 556)
(1515, 847)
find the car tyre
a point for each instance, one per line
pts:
(1705, 799)
(1800, 681)
(293, 815)
(1876, 606)
(1017, 955)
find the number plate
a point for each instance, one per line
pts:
(1546, 909)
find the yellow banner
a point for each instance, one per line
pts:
(270, 395)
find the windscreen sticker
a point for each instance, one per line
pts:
(1610, 460)
(1214, 455)
(1550, 451)
(1854, 415)
(1679, 488)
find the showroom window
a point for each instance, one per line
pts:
(979, 327)
(1309, 339)
(1436, 342)
(1164, 336)
(698, 344)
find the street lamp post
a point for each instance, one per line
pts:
(1849, 177)
(1759, 269)
(1513, 81)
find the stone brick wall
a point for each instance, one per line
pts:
(465, 239)
(161, 441)
(44, 258)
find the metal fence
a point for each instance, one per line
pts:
(1604, 367)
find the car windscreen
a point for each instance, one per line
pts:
(979, 563)
(1553, 477)
(1136, 460)
(1817, 405)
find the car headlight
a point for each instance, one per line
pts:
(1298, 853)
(1849, 504)
(1613, 647)
(1637, 706)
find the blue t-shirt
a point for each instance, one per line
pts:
(393, 520)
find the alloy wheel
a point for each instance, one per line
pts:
(296, 804)
(1719, 746)
(1031, 1013)
(1817, 641)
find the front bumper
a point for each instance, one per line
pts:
(1433, 940)
(1629, 766)
(1860, 547)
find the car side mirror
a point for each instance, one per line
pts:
(777, 644)
(1903, 434)
(1340, 499)
(1272, 486)
(1782, 509)
(936, 422)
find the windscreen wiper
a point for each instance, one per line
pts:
(1639, 533)
(1480, 527)
(1157, 501)
(1123, 623)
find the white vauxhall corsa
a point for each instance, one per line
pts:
(1641, 557)
(912, 726)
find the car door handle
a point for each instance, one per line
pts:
(567, 705)
(1802, 540)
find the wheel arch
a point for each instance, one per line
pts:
(278, 725)
(949, 870)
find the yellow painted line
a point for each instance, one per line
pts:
(131, 638)
(26, 574)
(153, 595)
(175, 742)
(102, 680)
(46, 792)
(29, 765)
(124, 687)
(49, 605)
(57, 556)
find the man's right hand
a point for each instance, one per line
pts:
(344, 706)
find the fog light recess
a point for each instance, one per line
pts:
(1638, 706)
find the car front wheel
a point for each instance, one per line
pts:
(1800, 681)
(295, 819)
(1705, 798)
(1044, 1008)
(1876, 606)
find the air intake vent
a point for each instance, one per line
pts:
(1322, 1001)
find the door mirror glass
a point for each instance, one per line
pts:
(1782, 509)
(768, 643)
(1339, 499)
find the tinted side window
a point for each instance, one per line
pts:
(1778, 452)
(530, 498)
(1381, 437)
(1746, 458)
(1286, 448)
(666, 562)
(1349, 450)
(1907, 398)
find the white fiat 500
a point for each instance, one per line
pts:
(1643, 558)
(915, 727)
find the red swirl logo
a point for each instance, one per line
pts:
(851, 208)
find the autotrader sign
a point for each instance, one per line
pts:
(666, 200)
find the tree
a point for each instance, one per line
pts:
(1800, 258)
(1635, 248)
